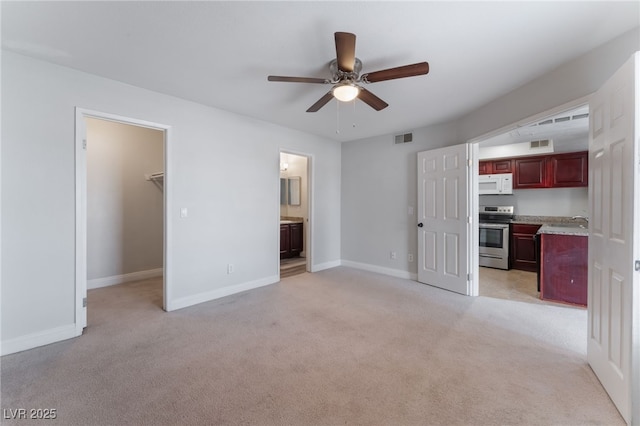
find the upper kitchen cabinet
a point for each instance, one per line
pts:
(530, 172)
(568, 170)
(495, 166)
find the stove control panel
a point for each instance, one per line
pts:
(497, 209)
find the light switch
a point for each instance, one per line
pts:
(184, 212)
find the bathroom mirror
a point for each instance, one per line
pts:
(294, 190)
(283, 191)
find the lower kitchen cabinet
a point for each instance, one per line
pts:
(563, 268)
(291, 240)
(523, 246)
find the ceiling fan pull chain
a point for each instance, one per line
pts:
(354, 113)
(337, 117)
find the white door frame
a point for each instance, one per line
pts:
(583, 101)
(81, 206)
(308, 231)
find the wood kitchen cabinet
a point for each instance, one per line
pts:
(291, 240)
(495, 166)
(563, 268)
(568, 170)
(530, 172)
(523, 246)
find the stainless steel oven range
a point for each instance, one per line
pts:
(494, 235)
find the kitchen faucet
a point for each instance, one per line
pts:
(581, 217)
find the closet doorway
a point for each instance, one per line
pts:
(295, 235)
(120, 195)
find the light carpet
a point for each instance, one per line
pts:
(341, 346)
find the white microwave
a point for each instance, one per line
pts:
(495, 184)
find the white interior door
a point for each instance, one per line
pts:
(613, 237)
(444, 228)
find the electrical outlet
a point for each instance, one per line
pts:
(230, 268)
(410, 257)
(393, 255)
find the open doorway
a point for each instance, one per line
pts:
(121, 230)
(513, 237)
(294, 214)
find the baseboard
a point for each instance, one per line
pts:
(40, 338)
(125, 278)
(322, 266)
(380, 270)
(207, 296)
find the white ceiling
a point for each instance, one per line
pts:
(220, 53)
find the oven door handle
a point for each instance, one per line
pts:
(493, 225)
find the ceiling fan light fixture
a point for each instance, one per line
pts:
(345, 92)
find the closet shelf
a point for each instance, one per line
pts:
(154, 176)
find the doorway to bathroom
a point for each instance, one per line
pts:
(295, 235)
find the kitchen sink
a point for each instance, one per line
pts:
(567, 225)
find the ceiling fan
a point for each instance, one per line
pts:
(345, 76)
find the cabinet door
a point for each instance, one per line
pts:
(569, 170)
(484, 168)
(563, 268)
(529, 172)
(523, 247)
(502, 166)
(285, 241)
(296, 239)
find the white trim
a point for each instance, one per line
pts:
(81, 206)
(40, 338)
(533, 119)
(308, 226)
(327, 265)
(124, 278)
(220, 292)
(381, 270)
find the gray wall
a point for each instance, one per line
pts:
(124, 210)
(379, 178)
(224, 169)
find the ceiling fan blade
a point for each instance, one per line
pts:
(372, 100)
(345, 51)
(321, 102)
(420, 68)
(297, 79)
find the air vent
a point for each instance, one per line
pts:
(406, 138)
(544, 143)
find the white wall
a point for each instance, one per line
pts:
(378, 189)
(543, 202)
(379, 179)
(224, 169)
(124, 210)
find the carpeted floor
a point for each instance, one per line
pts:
(341, 346)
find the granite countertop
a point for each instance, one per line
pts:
(562, 225)
(564, 229)
(288, 220)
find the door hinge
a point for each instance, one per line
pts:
(84, 144)
(84, 302)
(469, 277)
(637, 265)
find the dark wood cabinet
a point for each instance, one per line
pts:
(530, 172)
(502, 166)
(563, 268)
(484, 168)
(523, 246)
(568, 170)
(495, 166)
(291, 240)
(545, 171)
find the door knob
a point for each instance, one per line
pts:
(420, 225)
